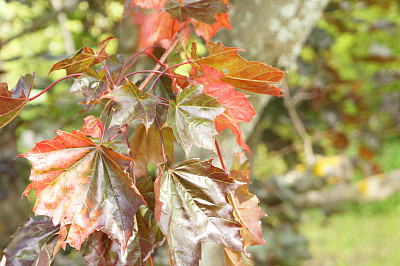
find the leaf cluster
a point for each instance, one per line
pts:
(92, 186)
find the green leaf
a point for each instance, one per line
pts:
(202, 10)
(34, 243)
(101, 250)
(192, 118)
(132, 105)
(192, 207)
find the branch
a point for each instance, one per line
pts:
(289, 103)
(62, 21)
(372, 188)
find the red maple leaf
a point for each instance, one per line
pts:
(237, 107)
(83, 187)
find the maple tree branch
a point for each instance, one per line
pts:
(308, 150)
(219, 155)
(162, 140)
(164, 57)
(52, 85)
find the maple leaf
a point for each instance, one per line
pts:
(192, 207)
(236, 258)
(92, 127)
(202, 10)
(246, 207)
(237, 107)
(157, 4)
(101, 250)
(84, 187)
(90, 85)
(146, 147)
(207, 31)
(83, 59)
(132, 105)
(34, 243)
(192, 118)
(242, 74)
(12, 102)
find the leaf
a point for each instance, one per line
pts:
(132, 105)
(207, 31)
(83, 186)
(90, 85)
(92, 127)
(34, 243)
(12, 102)
(192, 118)
(236, 258)
(192, 207)
(100, 250)
(83, 59)
(242, 74)
(249, 214)
(237, 108)
(157, 4)
(146, 147)
(202, 10)
(241, 163)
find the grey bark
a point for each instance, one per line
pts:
(272, 32)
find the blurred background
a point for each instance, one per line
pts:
(326, 156)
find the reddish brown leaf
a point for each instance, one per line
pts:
(12, 102)
(34, 243)
(237, 108)
(240, 73)
(132, 105)
(202, 10)
(101, 250)
(83, 59)
(192, 118)
(192, 207)
(92, 127)
(84, 187)
(146, 147)
(208, 31)
(157, 4)
(236, 258)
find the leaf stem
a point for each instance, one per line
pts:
(164, 57)
(131, 165)
(164, 73)
(149, 71)
(124, 67)
(52, 85)
(219, 155)
(151, 261)
(105, 124)
(108, 73)
(162, 140)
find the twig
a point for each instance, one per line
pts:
(298, 124)
(163, 59)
